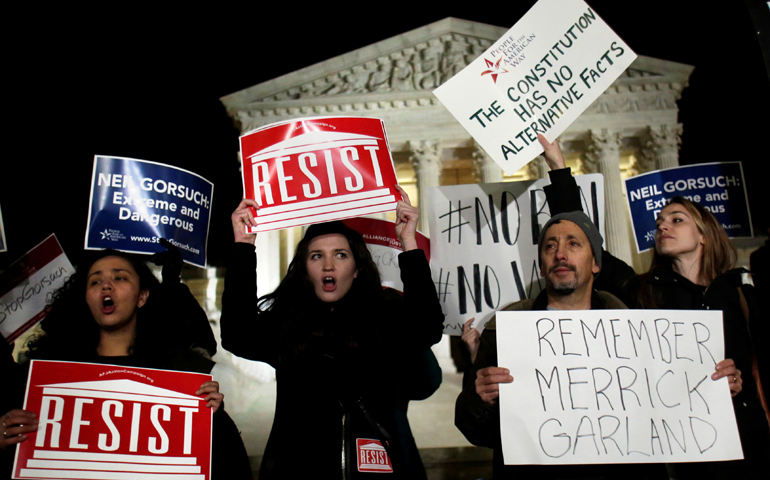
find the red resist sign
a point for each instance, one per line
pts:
(113, 422)
(318, 169)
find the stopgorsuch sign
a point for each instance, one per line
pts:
(112, 422)
(28, 284)
(315, 170)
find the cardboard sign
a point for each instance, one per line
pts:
(538, 78)
(382, 242)
(614, 386)
(28, 284)
(3, 244)
(718, 187)
(135, 203)
(315, 170)
(484, 244)
(113, 422)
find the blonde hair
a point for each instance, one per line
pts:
(718, 255)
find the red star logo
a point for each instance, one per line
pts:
(494, 69)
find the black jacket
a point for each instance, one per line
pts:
(480, 422)
(672, 291)
(323, 389)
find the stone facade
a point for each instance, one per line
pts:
(633, 123)
(393, 80)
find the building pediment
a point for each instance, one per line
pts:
(394, 80)
(417, 60)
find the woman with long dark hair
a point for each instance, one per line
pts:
(691, 269)
(110, 312)
(343, 347)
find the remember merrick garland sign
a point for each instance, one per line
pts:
(536, 79)
(614, 386)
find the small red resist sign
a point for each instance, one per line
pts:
(372, 456)
(315, 170)
(113, 422)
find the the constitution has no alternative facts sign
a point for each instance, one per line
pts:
(313, 170)
(614, 386)
(113, 422)
(538, 78)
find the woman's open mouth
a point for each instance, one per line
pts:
(108, 306)
(329, 284)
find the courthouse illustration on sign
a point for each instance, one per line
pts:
(118, 427)
(318, 169)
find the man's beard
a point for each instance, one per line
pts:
(567, 287)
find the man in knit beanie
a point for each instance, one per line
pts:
(570, 249)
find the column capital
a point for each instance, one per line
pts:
(485, 169)
(424, 153)
(538, 168)
(664, 136)
(601, 144)
(662, 145)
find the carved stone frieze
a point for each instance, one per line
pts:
(422, 67)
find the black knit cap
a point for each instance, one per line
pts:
(581, 220)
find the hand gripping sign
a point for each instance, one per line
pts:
(538, 78)
(381, 240)
(114, 422)
(314, 170)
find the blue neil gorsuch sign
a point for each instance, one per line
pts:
(718, 187)
(135, 203)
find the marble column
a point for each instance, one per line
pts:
(425, 156)
(663, 145)
(486, 170)
(603, 156)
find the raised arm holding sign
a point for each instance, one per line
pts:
(536, 79)
(331, 329)
(691, 269)
(314, 170)
(570, 257)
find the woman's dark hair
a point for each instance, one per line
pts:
(295, 298)
(718, 253)
(71, 333)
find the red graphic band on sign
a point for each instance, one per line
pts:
(315, 170)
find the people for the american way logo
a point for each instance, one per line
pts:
(494, 69)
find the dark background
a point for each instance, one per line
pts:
(145, 83)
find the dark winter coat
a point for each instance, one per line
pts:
(330, 393)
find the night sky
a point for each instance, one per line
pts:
(146, 84)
